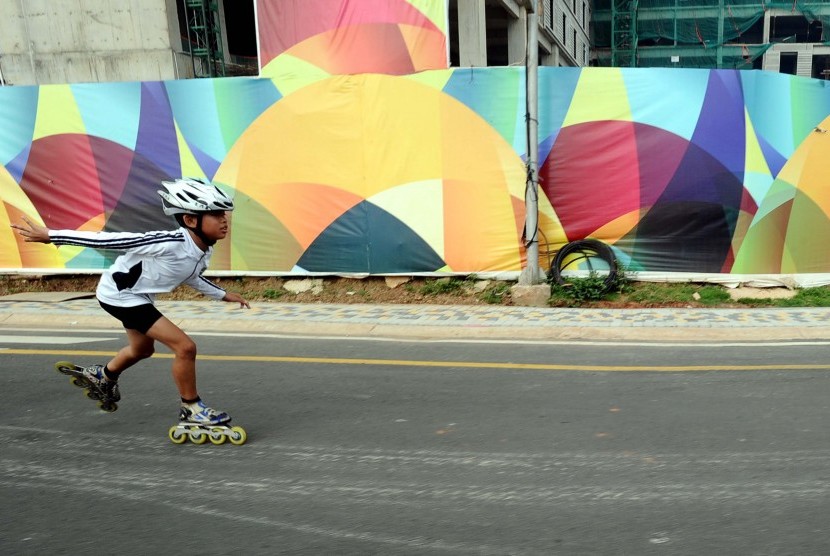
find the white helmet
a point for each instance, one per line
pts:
(192, 196)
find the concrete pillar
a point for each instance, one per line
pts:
(223, 26)
(173, 26)
(472, 33)
(549, 58)
(517, 39)
(179, 60)
(772, 60)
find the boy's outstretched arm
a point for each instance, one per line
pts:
(32, 231)
(233, 297)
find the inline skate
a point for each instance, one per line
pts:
(92, 380)
(199, 423)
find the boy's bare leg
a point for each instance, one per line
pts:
(184, 350)
(140, 347)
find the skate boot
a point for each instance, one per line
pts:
(93, 381)
(200, 414)
(107, 388)
(200, 423)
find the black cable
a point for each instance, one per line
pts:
(588, 248)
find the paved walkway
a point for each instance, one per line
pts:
(444, 321)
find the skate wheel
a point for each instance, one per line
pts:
(108, 407)
(176, 435)
(64, 367)
(197, 436)
(217, 436)
(75, 381)
(238, 436)
(92, 394)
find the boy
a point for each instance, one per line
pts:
(156, 262)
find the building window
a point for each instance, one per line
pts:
(794, 28)
(789, 62)
(547, 15)
(574, 46)
(821, 67)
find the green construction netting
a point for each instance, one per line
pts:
(704, 33)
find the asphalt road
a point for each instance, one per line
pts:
(388, 447)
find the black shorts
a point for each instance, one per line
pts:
(140, 317)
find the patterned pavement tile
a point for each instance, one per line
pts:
(435, 315)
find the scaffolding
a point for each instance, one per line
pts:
(204, 36)
(624, 33)
(714, 34)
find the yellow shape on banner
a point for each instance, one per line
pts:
(755, 160)
(600, 94)
(360, 133)
(190, 167)
(14, 252)
(410, 202)
(742, 227)
(57, 112)
(94, 224)
(437, 79)
(613, 231)
(290, 73)
(814, 152)
(792, 171)
(552, 230)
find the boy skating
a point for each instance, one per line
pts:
(152, 263)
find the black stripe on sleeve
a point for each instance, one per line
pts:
(151, 238)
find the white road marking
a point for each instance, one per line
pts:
(53, 340)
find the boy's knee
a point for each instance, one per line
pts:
(186, 350)
(145, 353)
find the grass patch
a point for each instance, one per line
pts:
(652, 294)
(442, 286)
(648, 293)
(807, 297)
(713, 295)
(271, 293)
(577, 291)
(496, 295)
(581, 290)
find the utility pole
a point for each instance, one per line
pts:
(532, 274)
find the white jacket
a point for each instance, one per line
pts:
(151, 263)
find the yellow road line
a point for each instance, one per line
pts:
(455, 364)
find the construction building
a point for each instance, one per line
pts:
(66, 41)
(493, 32)
(787, 36)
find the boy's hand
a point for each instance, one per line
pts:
(32, 232)
(232, 297)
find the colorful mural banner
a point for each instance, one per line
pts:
(698, 171)
(689, 170)
(351, 174)
(315, 38)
